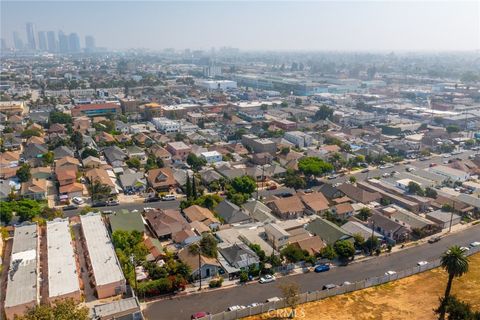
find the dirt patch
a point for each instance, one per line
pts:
(414, 297)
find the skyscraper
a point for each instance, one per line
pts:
(17, 41)
(62, 42)
(74, 42)
(51, 41)
(89, 43)
(3, 44)
(31, 41)
(42, 40)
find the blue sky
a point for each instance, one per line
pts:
(249, 25)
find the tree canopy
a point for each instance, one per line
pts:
(59, 117)
(323, 113)
(66, 309)
(196, 162)
(23, 173)
(314, 166)
(345, 249)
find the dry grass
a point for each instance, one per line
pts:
(414, 297)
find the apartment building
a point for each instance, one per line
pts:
(63, 280)
(23, 287)
(101, 258)
(259, 145)
(299, 139)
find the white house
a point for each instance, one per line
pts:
(211, 156)
(451, 173)
(166, 125)
(299, 139)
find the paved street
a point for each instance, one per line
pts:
(217, 301)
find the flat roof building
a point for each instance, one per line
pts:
(103, 262)
(63, 279)
(23, 288)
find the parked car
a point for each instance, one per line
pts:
(78, 200)
(169, 197)
(236, 307)
(70, 207)
(273, 299)
(422, 263)
(329, 286)
(99, 204)
(308, 190)
(465, 249)
(475, 244)
(113, 202)
(322, 268)
(267, 278)
(390, 273)
(199, 315)
(434, 239)
(346, 283)
(152, 199)
(365, 171)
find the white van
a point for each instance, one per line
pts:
(169, 197)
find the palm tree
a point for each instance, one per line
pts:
(455, 263)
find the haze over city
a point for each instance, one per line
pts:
(269, 25)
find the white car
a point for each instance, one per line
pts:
(390, 273)
(233, 308)
(422, 263)
(447, 155)
(266, 279)
(169, 197)
(475, 244)
(464, 249)
(78, 200)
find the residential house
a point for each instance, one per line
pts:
(71, 190)
(200, 214)
(41, 173)
(389, 228)
(92, 162)
(204, 267)
(160, 152)
(33, 151)
(355, 227)
(166, 223)
(133, 181)
(211, 156)
(343, 210)
(161, 179)
(179, 149)
(357, 194)
(444, 219)
(328, 231)
(287, 208)
(67, 161)
(34, 189)
(102, 176)
(62, 152)
(313, 245)
(237, 257)
(276, 235)
(66, 174)
(115, 156)
(231, 213)
(134, 151)
(259, 211)
(315, 202)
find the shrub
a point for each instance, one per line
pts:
(216, 283)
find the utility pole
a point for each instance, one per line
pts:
(451, 217)
(371, 240)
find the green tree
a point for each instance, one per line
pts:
(133, 162)
(87, 152)
(430, 193)
(298, 102)
(77, 140)
(99, 191)
(27, 133)
(59, 117)
(294, 180)
(188, 187)
(23, 173)
(323, 113)
(371, 244)
(415, 188)
(48, 158)
(314, 166)
(344, 249)
(293, 253)
(359, 241)
(244, 184)
(364, 214)
(328, 252)
(452, 129)
(195, 162)
(352, 179)
(455, 263)
(194, 188)
(458, 310)
(66, 309)
(284, 151)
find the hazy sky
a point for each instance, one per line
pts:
(267, 25)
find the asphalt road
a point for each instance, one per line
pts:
(377, 172)
(217, 301)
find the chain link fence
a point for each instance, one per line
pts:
(322, 294)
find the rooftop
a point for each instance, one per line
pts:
(62, 270)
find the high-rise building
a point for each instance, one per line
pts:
(17, 41)
(42, 40)
(62, 42)
(3, 44)
(89, 43)
(31, 41)
(52, 45)
(74, 42)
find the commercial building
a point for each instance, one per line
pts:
(285, 124)
(216, 84)
(93, 110)
(451, 174)
(101, 258)
(129, 105)
(299, 139)
(166, 125)
(259, 145)
(13, 107)
(23, 289)
(63, 280)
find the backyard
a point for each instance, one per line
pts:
(414, 297)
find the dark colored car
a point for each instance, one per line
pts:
(152, 199)
(433, 240)
(70, 207)
(322, 268)
(329, 286)
(99, 204)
